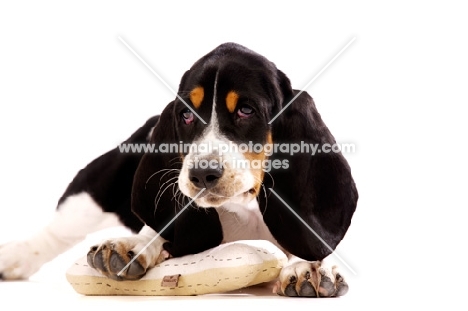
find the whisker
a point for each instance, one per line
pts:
(160, 171)
(266, 198)
(174, 159)
(172, 171)
(180, 196)
(167, 181)
(176, 163)
(174, 192)
(177, 197)
(158, 199)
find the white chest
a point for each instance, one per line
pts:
(243, 222)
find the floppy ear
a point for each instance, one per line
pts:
(319, 188)
(156, 199)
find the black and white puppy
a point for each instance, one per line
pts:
(226, 102)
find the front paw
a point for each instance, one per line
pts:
(126, 258)
(310, 279)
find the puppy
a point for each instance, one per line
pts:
(218, 167)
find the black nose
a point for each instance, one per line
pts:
(205, 177)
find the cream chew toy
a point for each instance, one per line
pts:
(224, 268)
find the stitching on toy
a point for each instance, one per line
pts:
(225, 280)
(194, 262)
(172, 288)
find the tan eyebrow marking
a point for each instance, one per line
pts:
(231, 101)
(196, 96)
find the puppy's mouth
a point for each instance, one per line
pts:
(220, 195)
(210, 198)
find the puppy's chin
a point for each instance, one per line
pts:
(211, 201)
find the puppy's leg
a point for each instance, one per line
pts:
(310, 279)
(128, 258)
(76, 216)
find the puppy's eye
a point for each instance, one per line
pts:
(245, 111)
(187, 116)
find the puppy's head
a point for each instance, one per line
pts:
(236, 92)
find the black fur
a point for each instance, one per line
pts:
(109, 179)
(319, 188)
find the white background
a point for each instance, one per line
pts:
(70, 90)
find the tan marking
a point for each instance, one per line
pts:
(314, 278)
(231, 101)
(196, 96)
(257, 171)
(269, 139)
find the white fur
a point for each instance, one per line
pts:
(244, 222)
(153, 244)
(76, 217)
